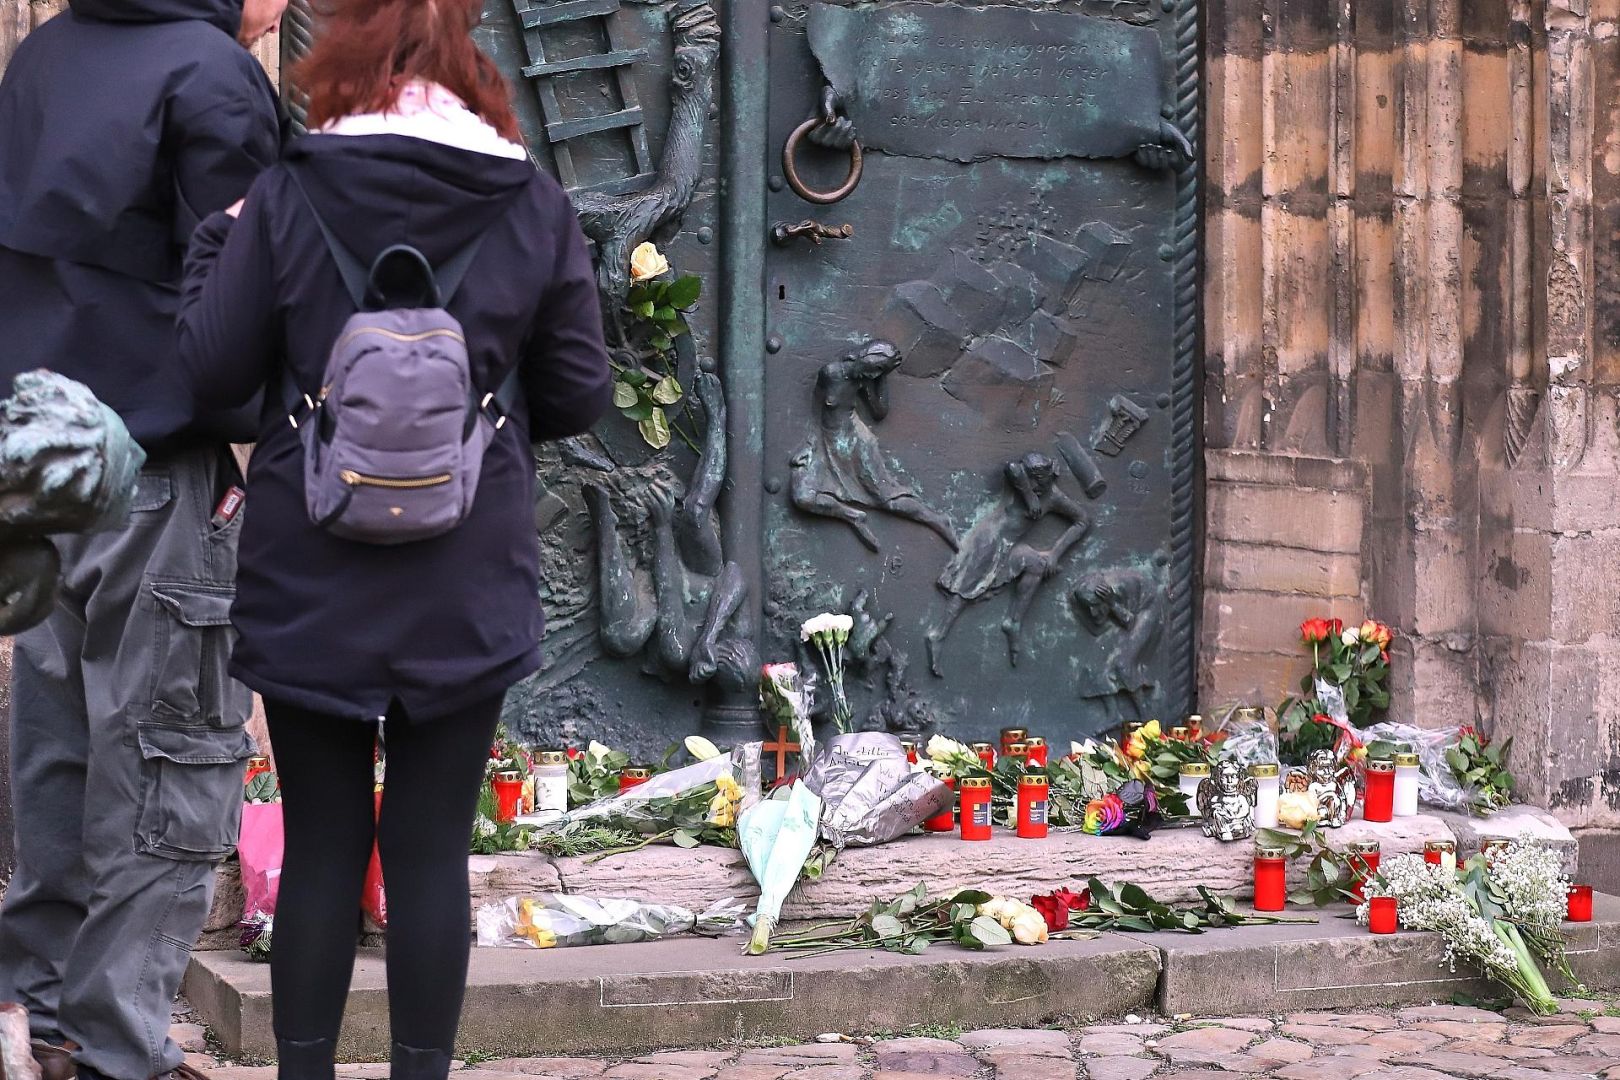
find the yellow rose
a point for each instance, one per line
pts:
(1029, 927)
(1296, 809)
(729, 788)
(647, 262)
(722, 812)
(1149, 731)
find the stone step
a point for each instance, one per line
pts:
(1169, 866)
(627, 999)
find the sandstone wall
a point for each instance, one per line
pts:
(1411, 258)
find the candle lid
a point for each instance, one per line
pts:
(1195, 720)
(552, 757)
(1407, 761)
(1195, 768)
(1265, 771)
(258, 761)
(1178, 733)
(509, 776)
(1034, 741)
(1494, 843)
(1439, 845)
(1380, 765)
(1249, 712)
(908, 744)
(1267, 851)
(1362, 847)
(975, 782)
(1017, 749)
(1013, 734)
(975, 747)
(1033, 779)
(635, 772)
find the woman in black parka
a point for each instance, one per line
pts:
(413, 142)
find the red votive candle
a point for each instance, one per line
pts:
(1019, 752)
(1032, 803)
(1270, 879)
(1037, 751)
(1010, 735)
(945, 820)
(508, 791)
(1440, 853)
(1379, 803)
(1580, 903)
(1381, 911)
(986, 752)
(975, 815)
(1363, 857)
(633, 777)
(257, 765)
(910, 747)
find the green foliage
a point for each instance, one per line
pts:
(491, 837)
(909, 924)
(1480, 766)
(1130, 907)
(643, 393)
(595, 774)
(263, 788)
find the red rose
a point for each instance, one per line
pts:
(1053, 910)
(573, 754)
(1314, 631)
(1336, 628)
(1077, 901)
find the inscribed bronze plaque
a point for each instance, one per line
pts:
(937, 80)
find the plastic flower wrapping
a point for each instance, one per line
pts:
(552, 920)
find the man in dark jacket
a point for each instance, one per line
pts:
(122, 124)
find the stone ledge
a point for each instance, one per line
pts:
(1285, 470)
(695, 992)
(1169, 866)
(625, 999)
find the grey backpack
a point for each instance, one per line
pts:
(394, 439)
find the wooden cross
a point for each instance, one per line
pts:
(782, 746)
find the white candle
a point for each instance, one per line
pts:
(1268, 788)
(1193, 773)
(1406, 785)
(551, 784)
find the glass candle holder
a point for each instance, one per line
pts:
(1195, 727)
(1179, 734)
(1193, 773)
(986, 754)
(910, 747)
(633, 777)
(1379, 802)
(1407, 773)
(1580, 903)
(508, 790)
(975, 807)
(1267, 790)
(1492, 846)
(1440, 853)
(1010, 735)
(551, 783)
(1037, 751)
(1270, 879)
(1032, 806)
(945, 820)
(1363, 857)
(1383, 915)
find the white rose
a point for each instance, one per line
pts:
(1296, 809)
(1083, 749)
(1029, 926)
(1000, 908)
(647, 262)
(1352, 637)
(824, 623)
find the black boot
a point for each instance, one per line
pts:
(409, 1063)
(311, 1060)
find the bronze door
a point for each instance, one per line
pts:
(943, 367)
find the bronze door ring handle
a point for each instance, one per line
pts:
(790, 151)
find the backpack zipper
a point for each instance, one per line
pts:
(354, 479)
(422, 336)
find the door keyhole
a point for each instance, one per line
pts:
(781, 292)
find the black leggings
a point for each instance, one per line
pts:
(435, 772)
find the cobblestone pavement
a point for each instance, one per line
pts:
(1430, 1043)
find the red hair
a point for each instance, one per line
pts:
(368, 49)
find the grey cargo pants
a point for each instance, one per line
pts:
(127, 744)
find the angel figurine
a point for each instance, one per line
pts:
(1333, 783)
(1226, 802)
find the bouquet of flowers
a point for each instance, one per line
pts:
(1349, 669)
(1483, 914)
(912, 922)
(694, 805)
(257, 932)
(1126, 906)
(1151, 755)
(594, 774)
(786, 703)
(827, 634)
(1480, 766)
(554, 921)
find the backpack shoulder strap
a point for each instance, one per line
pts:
(356, 276)
(448, 277)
